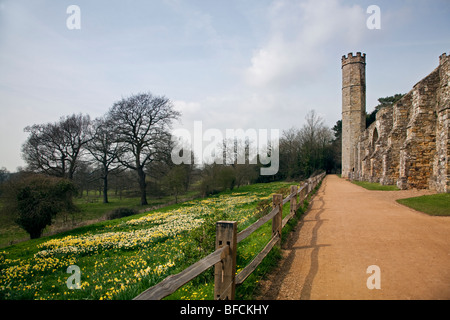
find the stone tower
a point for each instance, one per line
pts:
(353, 107)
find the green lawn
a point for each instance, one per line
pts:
(91, 209)
(375, 186)
(121, 258)
(435, 205)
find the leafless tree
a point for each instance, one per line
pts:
(105, 148)
(4, 175)
(241, 154)
(55, 148)
(142, 124)
(305, 150)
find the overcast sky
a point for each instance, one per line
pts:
(232, 64)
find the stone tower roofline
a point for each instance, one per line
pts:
(443, 57)
(359, 58)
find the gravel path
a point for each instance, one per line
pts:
(348, 229)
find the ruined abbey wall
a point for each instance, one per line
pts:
(408, 144)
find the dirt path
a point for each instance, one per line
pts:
(348, 229)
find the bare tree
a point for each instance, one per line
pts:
(4, 175)
(316, 140)
(241, 154)
(55, 148)
(305, 150)
(142, 124)
(168, 177)
(105, 148)
(290, 146)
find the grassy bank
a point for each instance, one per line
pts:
(91, 210)
(435, 205)
(375, 186)
(121, 258)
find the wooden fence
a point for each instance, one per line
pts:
(224, 257)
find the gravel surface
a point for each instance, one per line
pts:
(346, 230)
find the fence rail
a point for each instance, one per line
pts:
(224, 257)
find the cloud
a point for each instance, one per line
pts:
(300, 33)
(243, 110)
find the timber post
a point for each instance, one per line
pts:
(225, 270)
(278, 218)
(293, 200)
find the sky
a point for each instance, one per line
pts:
(235, 64)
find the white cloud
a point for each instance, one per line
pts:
(300, 33)
(235, 64)
(243, 109)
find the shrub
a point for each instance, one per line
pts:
(263, 207)
(120, 213)
(205, 236)
(217, 178)
(34, 200)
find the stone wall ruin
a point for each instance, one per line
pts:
(408, 144)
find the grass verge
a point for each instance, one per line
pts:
(435, 204)
(375, 186)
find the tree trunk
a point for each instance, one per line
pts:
(105, 189)
(105, 183)
(142, 186)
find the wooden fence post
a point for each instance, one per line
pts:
(304, 193)
(293, 200)
(225, 271)
(278, 218)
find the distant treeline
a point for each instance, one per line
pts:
(128, 152)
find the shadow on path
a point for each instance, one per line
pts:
(314, 267)
(348, 228)
(312, 216)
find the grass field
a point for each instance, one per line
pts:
(375, 186)
(435, 205)
(91, 209)
(120, 258)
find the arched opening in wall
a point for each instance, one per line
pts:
(374, 138)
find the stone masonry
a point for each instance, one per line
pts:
(353, 106)
(408, 144)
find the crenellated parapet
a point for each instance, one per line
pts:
(350, 58)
